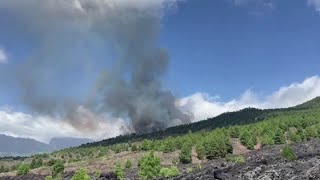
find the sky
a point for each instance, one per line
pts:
(225, 55)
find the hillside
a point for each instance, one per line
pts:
(242, 117)
(247, 144)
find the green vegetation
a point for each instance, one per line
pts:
(210, 138)
(149, 166)
(119, 172)
(58, 168)
(49, 178)
(169, 172)
(128, 164)
(288, 153)
(81, 175)
(36, 162)
(23, 169)
(185, 155)
(235, 159)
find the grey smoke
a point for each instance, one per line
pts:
(67, 32)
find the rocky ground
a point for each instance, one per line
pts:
(266, 164)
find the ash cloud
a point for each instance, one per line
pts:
(65, 35)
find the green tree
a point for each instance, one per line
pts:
(58, 168)
(147, 145)
(81, 175)
(23, 169)
(201, 151)
(311, 132)
(267, 139)
(119, 172)
(149, 166)
(216, 145)
(185, 154)
(279, 137)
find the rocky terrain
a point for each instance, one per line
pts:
(266, 163)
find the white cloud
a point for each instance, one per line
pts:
(203, 106)
(43, 128)
(315, 4)
(3, 56)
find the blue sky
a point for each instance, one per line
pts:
(225, 55)
(220, 48)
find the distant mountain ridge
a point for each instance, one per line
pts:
(241, 117)
(21, 146)
(314, 103)
(66, 142)
(11, 146)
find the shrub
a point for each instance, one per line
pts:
(216, 145)
(119, 172)
(36, 162)
(201, 151)
(168, 145)
(58, 168)
(23, 169)
(81, 175)
(235, 159)
(169, 172)
(267, 140)
(185, 154)
(49, 178)
(51, 162)
(149, 166)
(128, 164)
(279, 137)
(288, 153)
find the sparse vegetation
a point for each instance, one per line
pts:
(235, 158)
(288, 153)
(251, 127)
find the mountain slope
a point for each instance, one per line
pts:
(314, 103)
(242, 117)
(21, 146)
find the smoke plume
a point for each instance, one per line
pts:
(72, 44)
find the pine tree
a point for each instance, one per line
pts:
(185, 154)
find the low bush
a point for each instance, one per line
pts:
(235, 159)
(81, 175)
(58, 168)
(288, 153)
(169, 172)
(149, 166)
(23, 169)
(119, 172)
